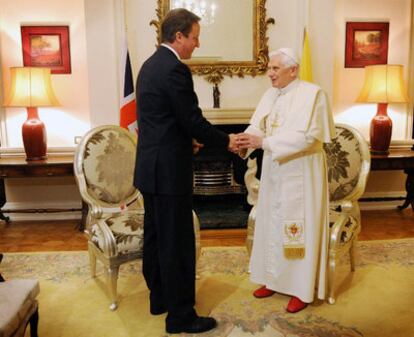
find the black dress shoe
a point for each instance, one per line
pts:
(200, 324)
(157, 309)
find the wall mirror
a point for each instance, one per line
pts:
(233, 36)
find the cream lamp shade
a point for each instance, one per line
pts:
(30, 87)
(383, 84)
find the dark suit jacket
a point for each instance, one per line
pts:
(168, 118)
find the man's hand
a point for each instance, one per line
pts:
(233, 147)
(196, 146)
(246, 140)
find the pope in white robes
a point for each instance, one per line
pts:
(290, 245)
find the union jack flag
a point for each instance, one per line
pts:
(128, 118)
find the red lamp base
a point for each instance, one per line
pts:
(381, 130)
(34, 136)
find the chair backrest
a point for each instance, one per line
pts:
(349, 161)
(104, 166)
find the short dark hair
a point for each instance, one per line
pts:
(177, 20)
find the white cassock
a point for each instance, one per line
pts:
(295, 121)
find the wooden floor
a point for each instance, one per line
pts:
(64, 235)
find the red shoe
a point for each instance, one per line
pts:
(263, 292)
(295, 305)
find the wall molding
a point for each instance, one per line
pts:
(379, 205)
(382, 200)
(72, 210)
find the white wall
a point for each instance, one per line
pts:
(102, 61)
(321, 16)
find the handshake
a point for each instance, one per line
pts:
(237, 142)
(243, 141)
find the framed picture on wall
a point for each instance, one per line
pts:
(366, 44)
(46, 46)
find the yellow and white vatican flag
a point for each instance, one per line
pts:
(305, 70)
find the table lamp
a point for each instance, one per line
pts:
(31, 88)
(383, 84)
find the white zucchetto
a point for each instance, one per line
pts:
(286, 51)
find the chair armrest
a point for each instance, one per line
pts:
(98, 211)
(140, 200)
(346, 206)
(339, 229)
(350, 207)
(104, 235)
(95, 210)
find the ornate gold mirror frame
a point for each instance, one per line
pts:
(214, 71)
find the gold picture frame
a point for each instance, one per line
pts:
(213, 71)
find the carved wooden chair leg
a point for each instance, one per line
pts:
(352, 254)
(34, 321)
(331, 279)
(251, 220)
(1, 277)
(112, 280)
(92, 260)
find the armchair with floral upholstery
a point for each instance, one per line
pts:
(348, 160)
(104, 170)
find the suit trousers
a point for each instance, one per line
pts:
(169, 255)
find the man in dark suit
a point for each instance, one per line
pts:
(169, 118)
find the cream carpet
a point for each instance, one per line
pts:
(376, 301)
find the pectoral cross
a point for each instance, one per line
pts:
(271, 126)
(274, 124)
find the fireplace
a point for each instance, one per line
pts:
(218, 171)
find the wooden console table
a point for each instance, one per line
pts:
(398, 159)
(18, 167)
